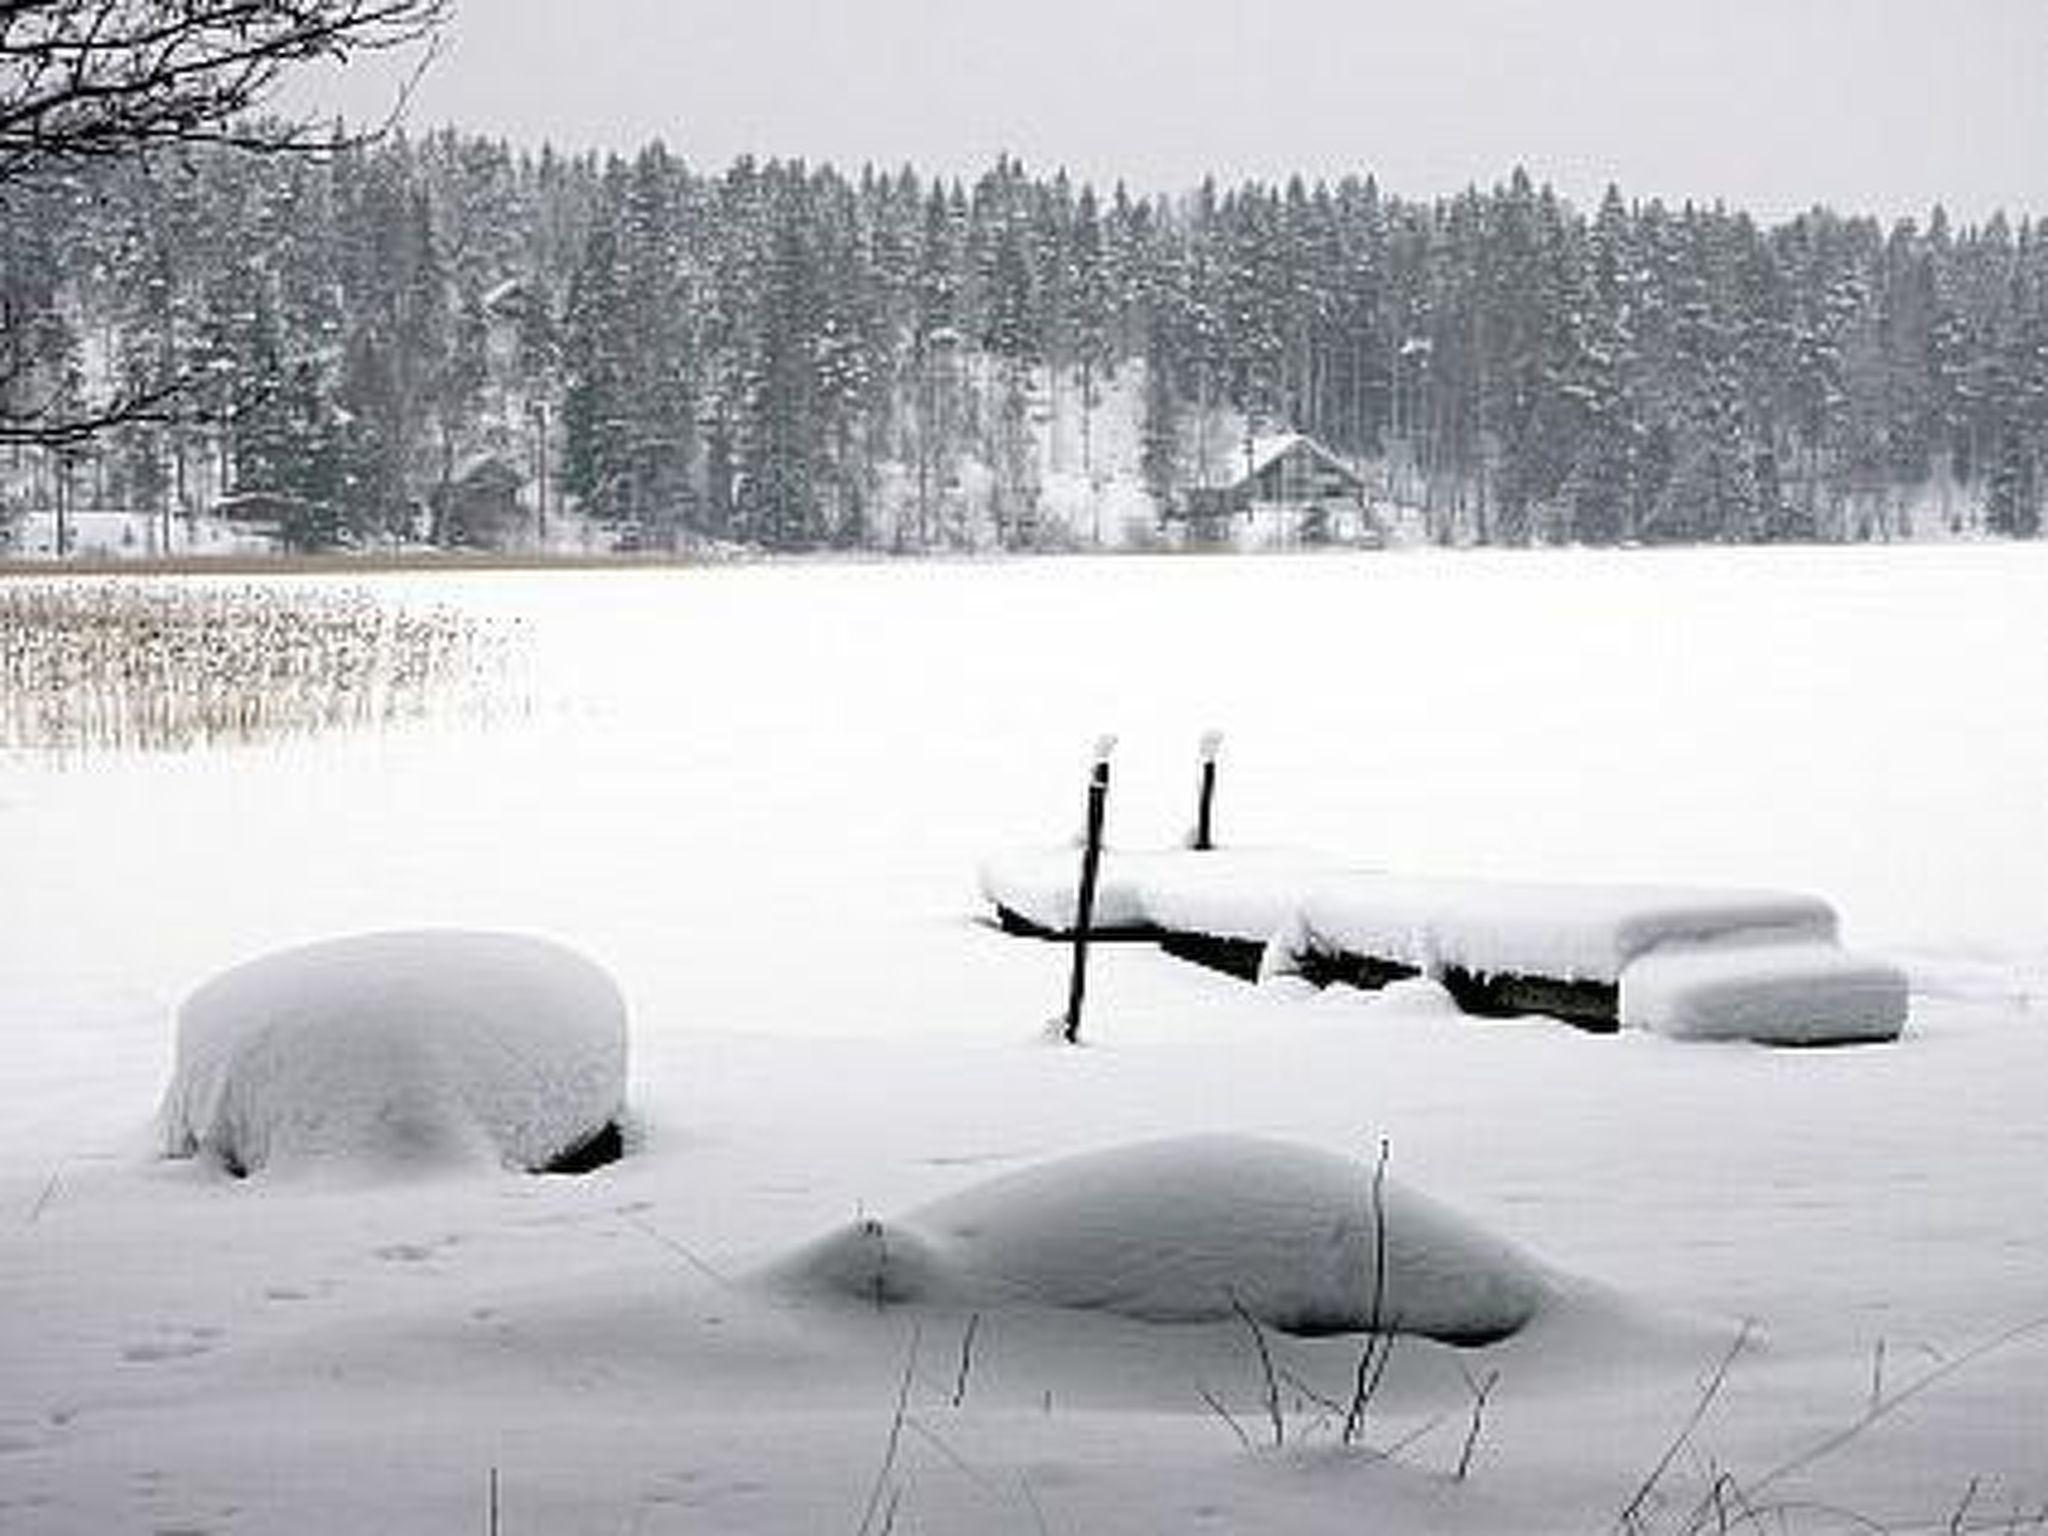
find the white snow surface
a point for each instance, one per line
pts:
(752, 793)
(1775, 994)
(1530, 928)
(1043, 886)
(1183, 1230)
(1241, 893)
(1231, 893)
(398, 1051)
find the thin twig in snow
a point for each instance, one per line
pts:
(1223, 1413)
(1834, 1442)
(1372, 1362)
(895, 1443)
(1481, 1391)
(1266, 1365)
(674, 1247)
(1775, 1519)
(1429, 1426)
(1309, 1393)
(945, 1448)
(1962, 1511)
(1633, 1509)
(966, 1359)
(1031, 1502)
(43, 1200)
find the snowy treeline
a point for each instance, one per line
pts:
(785, 356)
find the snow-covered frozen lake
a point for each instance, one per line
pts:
(758, 795)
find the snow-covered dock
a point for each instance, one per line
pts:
(1758, 965)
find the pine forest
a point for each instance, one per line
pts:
(782, 356)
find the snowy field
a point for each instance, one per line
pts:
(757, 796)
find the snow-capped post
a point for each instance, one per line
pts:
(1205, 801)
(1091, 866)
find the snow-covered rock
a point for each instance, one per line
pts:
(1171, 1231)
(397, 1049)
(1778, 994)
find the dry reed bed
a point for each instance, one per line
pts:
(153, 665)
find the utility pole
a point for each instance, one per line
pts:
(63, 503)
(539, 411)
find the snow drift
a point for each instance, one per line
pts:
(1172, 1231)
(394, 1049)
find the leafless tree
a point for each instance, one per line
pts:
(101, 80)
(98, 79)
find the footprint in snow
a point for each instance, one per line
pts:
(972, 1159)
(418, 1253)
(174, 1344)
(19, 1436)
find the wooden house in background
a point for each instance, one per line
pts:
(480, 507)
(1285, 490)
(271, 518)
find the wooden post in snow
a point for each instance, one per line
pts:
(1091, 867)
(1204, 837)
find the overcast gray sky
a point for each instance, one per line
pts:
(1875, 106)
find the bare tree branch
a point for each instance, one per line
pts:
(88, 81)
(50, 425)
(98, 79)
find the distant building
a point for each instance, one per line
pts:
(480, 508)
(266, 517)
(1287, 490)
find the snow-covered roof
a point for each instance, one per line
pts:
(487, 467)
(1266, 450)
(508, 297)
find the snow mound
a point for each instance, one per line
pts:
(1566, 932)
(397, 1049)
(1171, 1231)
(1778, 994)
